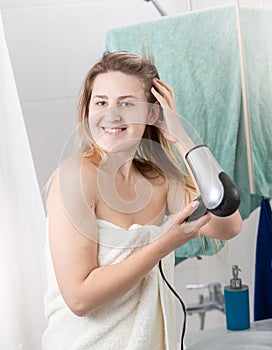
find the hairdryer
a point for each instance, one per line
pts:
(218, 194)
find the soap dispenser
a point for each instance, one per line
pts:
(237, 303)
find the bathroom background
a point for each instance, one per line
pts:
(52, 44)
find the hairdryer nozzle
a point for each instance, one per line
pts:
(231, 198)
(219, 193)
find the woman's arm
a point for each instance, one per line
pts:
(218, 227)
(84, 285)
(223, 228)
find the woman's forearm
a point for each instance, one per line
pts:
(106, 283)
(184, 142)
(223, 228)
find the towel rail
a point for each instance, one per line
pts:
(189, 5)
(245, 102)
(158, 7)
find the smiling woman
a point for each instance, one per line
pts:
(114, 109)
(106, 210)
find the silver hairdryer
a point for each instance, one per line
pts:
(218, 193)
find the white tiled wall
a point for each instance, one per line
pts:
(34, 42)
(52, 45)
(203, 4)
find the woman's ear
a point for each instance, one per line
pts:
(153, 113)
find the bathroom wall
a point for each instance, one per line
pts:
(203, 4)
(52, 44)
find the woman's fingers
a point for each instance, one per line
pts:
(179, 217)
(195, 225)
(159, 98)
(178, 231)
(164, 94)
(187, 211)
(170, 122)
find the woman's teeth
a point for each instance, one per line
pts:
(113, 130)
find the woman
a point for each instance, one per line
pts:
(106, 210)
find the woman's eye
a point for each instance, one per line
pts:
(101, 103)
(126, 104)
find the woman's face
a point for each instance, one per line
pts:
(118, 110)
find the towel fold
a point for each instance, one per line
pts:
(197, 54)
(263, 265)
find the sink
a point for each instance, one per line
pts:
(257, 337)
(235, 341)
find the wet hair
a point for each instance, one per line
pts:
(155, 156)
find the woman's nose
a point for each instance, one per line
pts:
(112, 114)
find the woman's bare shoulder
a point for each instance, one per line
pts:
(74, 177)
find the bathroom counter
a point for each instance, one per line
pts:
(193, 338)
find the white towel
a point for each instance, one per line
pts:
(142, 319)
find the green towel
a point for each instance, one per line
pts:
(257, 27)
(197, 54)
(197, 247)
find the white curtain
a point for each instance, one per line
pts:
(22, 217)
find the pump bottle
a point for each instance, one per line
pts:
(237, 303)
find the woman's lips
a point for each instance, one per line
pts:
(113, 131)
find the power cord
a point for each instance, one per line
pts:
(180, 300)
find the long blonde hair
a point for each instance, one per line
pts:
(155, 157)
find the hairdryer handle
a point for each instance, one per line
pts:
(200, 211)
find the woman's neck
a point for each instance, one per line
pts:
(119, 164)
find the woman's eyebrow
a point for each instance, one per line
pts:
(119, 97)
(100, 96)
(127, 96)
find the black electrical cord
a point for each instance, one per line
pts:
(180, 300)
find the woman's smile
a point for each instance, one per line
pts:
(113, 131)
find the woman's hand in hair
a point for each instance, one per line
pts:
(170, 125)
(164, 94)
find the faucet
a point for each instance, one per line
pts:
(215, 301)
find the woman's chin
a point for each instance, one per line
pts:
(112, 146)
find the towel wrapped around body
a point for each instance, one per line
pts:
(143, 318)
